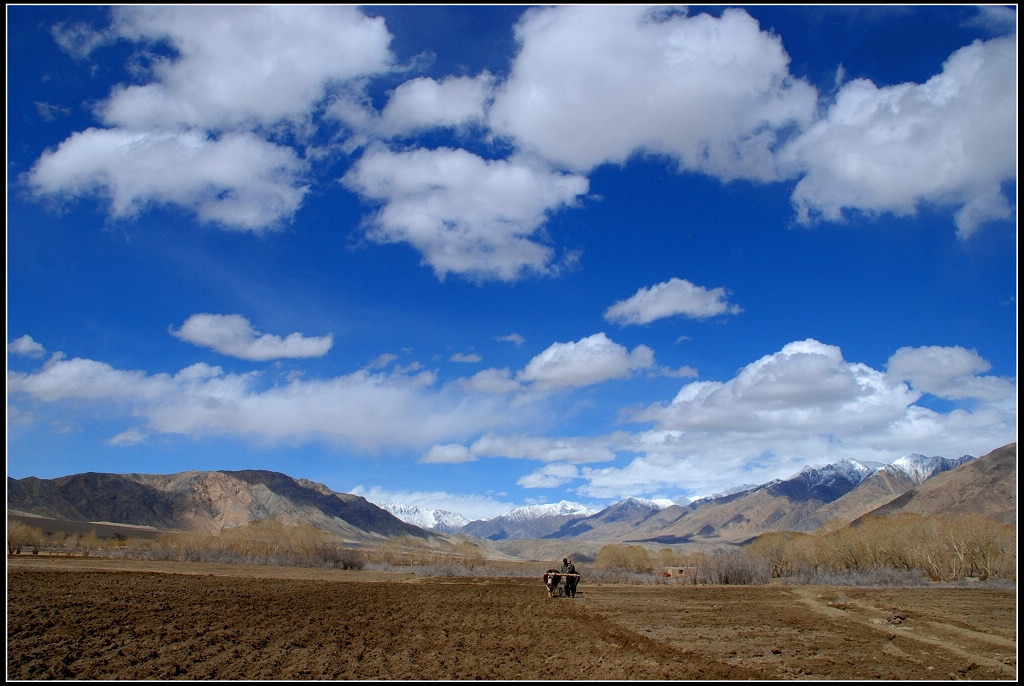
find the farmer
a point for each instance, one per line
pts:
(572, 578)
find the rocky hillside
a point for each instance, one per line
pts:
(205, 501)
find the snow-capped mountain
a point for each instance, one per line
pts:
(437, 520)
(919, 468)
(832, 480)
(655, 504)
(531, 521)
(562, 507)
(822, 484)
(723, 494)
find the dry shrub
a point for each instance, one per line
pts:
(893, 550)
(777, 549)
(23, 538)
(625, 558)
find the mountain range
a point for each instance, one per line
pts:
(816, 497)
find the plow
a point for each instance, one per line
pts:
(553, 581)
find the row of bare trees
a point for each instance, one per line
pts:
(260, 542)
(899, 548)
(940, 548)
(718, 567)
(24, 538)
(905, 548)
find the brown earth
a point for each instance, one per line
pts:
(103, 619)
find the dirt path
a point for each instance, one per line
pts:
(95, 620)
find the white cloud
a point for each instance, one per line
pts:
(424, 103)
(232, 334)
(550, 476)
(997, 18)
(807, 386)
(238, 180)
(641, 475)
(672, 297)
(515, 338)
(948, 372)
(949, 141)
(494, 381)
(802, 405)
(476, 218)
(129, 437)
(596, 84)
(26, 346)
(452, 453)
(806, 405)
(465, 357)
(79, 379)
(210, 111)
(368, 411)
(242, 66)
(569, 450)
(382, 361)
(78, 39)
(588, 361)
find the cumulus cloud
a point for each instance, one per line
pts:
(947, 142)
(948, 372)
(206, 112)
(239, 180)
(465, 357)
(232, 334)
(804, 386)
(806, 405)
(588, 361)
(361, 409)
(802, 405)
(25, 345)
(549, 476)
(714, 92)
(424, 103)
(569, 450)
(84, 379)
(999, 19)
(243, 65)
(672, 297)
(494, 381)
(468, 216)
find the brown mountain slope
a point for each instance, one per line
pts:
(736, 520)
(204, 501)
(875, 492)
(986, 486)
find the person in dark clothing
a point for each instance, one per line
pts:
(572, 578)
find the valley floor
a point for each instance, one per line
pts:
(74, 618)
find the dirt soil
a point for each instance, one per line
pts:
(103, 619)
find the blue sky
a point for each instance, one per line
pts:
(479, 257)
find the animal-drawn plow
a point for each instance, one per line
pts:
(561, 584)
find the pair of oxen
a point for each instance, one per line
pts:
(553, 579)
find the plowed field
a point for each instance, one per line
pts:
(88, 619)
